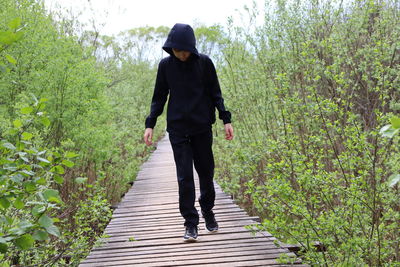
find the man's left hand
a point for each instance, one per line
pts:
(228, 131)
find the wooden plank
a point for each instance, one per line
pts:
(189, 261)
(172, 241)
(188, 255)
(133, 203)
(144, 251)
(180, 247)
(166, 218)
(168, 227)
(166, 207)
(177, 224)
(178, 237)
(123, 237)
(167, 221)
(174, 211)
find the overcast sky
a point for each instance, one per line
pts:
(119, 15)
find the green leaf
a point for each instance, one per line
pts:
(30, 186)
(14, 24)
(18, 35)
(40, 235)
(38, 210)
(395, 122)
(41, 152)
(3, 248)
(71, 155)
(28, 173)
(4, 203)
(35, 99)
(7, 37)
(9, 146)
(52, 195)
(10, 168)
(18, 204)
(17, 123)
(17, 231)
(45, 221)
(53, 230)
(58, 179)
(27, 136)
(68, 163)
(21, 154)
(25, 225)
(40, 181)
(60, 169)
(11, 59)
(81, 180)
(394, 179)
(26, 110)
(388, 131)
(43, 160)
(17, 178)
(45, 121)
(3, 68)
(24, 242)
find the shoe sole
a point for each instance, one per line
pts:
(190, 240)
(211, 232)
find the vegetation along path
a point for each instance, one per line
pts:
(146, 228)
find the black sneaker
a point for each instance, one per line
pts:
(210, 222)
(190, 234)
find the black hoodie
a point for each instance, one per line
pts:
(192, 85)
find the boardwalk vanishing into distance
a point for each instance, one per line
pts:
(147, 229)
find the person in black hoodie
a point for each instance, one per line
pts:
(190, 80)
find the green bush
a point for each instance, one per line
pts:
(93, 107)
(309, 90)
(28, 174)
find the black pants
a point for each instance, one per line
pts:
(197, 149)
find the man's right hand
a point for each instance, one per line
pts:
(148, 136)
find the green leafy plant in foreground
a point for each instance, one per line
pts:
(28, 175)
(390, 131)
(13, 34)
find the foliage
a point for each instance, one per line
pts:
(390, 131)
(309, 90)
(28, 174)
(93, 108)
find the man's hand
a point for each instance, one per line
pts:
(148, 136)
(228, 131)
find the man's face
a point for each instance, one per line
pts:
(181, 54)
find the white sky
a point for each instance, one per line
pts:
(119, 15)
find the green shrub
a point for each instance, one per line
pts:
(29, 173)
(309, 90)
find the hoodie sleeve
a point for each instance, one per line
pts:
(215, 91)
(159, 97)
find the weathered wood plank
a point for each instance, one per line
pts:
(168, 227)
(270, 259)
(206, 256)
(180, 247)
(144, 251)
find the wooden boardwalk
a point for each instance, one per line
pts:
(147, 228)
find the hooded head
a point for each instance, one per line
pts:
(181, 37)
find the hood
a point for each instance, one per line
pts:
(181, 37)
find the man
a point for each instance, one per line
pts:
(190, 80)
